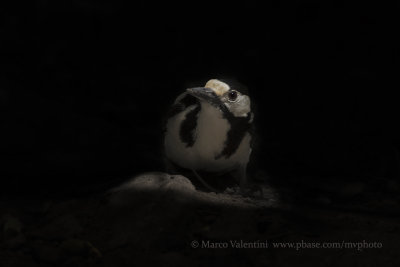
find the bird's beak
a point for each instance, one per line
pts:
(204, 93)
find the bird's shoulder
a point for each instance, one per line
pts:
(182, 102)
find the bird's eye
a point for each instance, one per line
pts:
(232, 96)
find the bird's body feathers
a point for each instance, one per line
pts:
(202, 136)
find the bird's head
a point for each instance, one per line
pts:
(222, 96)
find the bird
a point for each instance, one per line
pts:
(209, 130)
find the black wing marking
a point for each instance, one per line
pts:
(239, 128)
(188, 127)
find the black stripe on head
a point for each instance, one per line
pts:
(235, 85)
(185, 102)
(188, 127)
(239, 127)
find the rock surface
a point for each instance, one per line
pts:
(181, 189)
(157, 219)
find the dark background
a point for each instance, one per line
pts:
(84, 87)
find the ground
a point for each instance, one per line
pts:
(162, 220)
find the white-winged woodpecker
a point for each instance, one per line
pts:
(209, 130)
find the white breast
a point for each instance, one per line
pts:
(211, 134)
(212, 130)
